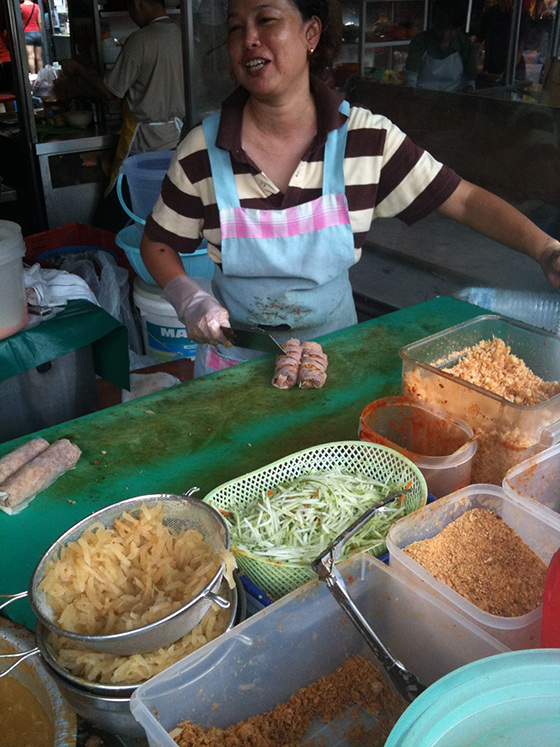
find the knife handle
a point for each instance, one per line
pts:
(229, 334)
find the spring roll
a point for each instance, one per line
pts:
(39, 473)
(313, 366)
(287, 366)
(15, 460)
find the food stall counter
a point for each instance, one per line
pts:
(210, 430)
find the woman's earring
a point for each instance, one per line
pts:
(311, 51)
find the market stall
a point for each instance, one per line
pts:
(212, 432)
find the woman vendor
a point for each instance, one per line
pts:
(284, 183)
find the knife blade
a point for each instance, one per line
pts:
(244, 336)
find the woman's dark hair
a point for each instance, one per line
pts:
(330, 43)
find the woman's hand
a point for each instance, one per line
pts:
(493, 217)
(549, 259)
(201, 314)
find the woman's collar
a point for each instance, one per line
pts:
(327, 103)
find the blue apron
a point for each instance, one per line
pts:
(282, 266)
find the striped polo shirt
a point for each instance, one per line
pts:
(386, 176)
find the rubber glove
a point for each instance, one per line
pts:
(201, 314)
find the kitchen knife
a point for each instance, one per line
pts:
(252, 337)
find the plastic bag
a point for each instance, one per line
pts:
(143, 384)
(43, 84)
(111, 288)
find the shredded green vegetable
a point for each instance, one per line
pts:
(296, 521)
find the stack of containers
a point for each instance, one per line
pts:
(165, 337)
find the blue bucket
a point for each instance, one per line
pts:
(197, 265)
(144, 173)
(510, 699)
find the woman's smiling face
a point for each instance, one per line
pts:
(268, 44)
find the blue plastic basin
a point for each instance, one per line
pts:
(197, 265)
(510, 699)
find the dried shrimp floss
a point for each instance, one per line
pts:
(481, 558)
(490, 365)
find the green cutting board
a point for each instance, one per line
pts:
(211, 430)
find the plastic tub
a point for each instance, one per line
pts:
(197, 265)
(510, 699)
(144, 174)
(515, 632)
(507, 433)
(13, 304)
(439, 445)
(300, 638)
(107, 707)
(536, 483)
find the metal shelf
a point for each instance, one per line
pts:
(7, 194)
(395, 43)
(389, 44)
(123, 13)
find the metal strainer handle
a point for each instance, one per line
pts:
(217, 599)
(11, 598)
(22, 657)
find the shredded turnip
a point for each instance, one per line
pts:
(296, 521)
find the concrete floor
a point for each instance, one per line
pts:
(403, 265)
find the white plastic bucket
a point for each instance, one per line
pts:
(165, 337)
(13, 304)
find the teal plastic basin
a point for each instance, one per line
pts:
(509, 699)
(197, 265)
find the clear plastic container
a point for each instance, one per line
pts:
(539, 309)
(297, 640)
(440, 446)
(536, 483)
(515, 632)
(507, 433)
(145, 173)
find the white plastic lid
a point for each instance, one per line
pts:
(149, 298)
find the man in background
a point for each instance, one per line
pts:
(147, 79)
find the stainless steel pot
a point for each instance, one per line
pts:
(108, 706)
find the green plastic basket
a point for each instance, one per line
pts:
(372, 460)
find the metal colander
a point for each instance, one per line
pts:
(181, 512)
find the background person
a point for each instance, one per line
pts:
(6, 73)
(32, 34)
(147, 79)
(442, 57)
(494, 33)
(284, 183)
